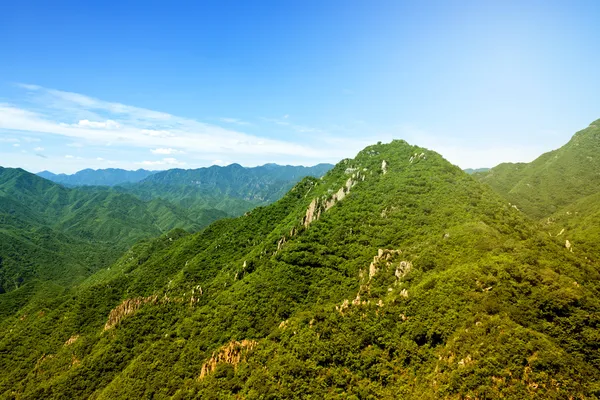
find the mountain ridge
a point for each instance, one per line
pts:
(553, 180)
(396, 274)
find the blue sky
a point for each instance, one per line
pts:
(188, 84)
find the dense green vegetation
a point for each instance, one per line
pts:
(50, 235)
(232, 189)
(555, 179)
(100, 177)
(396, 275)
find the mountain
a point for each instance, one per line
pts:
(100, 177)
(396, 275)
(471, 171)
(577, 226)
(555, 179)
(51, 233)
(233, 189)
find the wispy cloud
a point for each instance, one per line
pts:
(138, 127)
(235, 121)
(296, 127)
(164, 161)
(166, 151)
(125, 134)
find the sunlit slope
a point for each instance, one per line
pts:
(553, 180)
(397, 275)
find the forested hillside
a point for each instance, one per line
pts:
(59, 236)
(100, 177)
(233, 189)
(397, 275)
(555, 179)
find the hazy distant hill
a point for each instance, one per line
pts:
(555, 179)
(233, 189)
(396, 275)
(100, 177)
(52, 233)
(474, 170)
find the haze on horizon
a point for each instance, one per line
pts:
(156, 86)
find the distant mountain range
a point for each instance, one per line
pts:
(58, 234)
(232, 189)
(553, 180)
(394, 275)
(471, 171)
(99, 177)
(117, 176)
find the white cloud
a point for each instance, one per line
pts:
(38, 149)
(69, 156)
(146, 128)
(164, 161)
(235, 121)
(109, 124)
(166, 151)
(99, 158)
(16, 145)
(93, 122)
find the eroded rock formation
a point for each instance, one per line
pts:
(232, 353)
(127, 307)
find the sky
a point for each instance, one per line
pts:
(158, 85)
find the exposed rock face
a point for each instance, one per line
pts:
(403, 269)
(312, 214)
(232, 353)
(71, 340)
(383, 256)
(280, 243)
(384, 166)
(416, 157)
(383, 262)
(318, 205)
(569, 246)
(127, 307)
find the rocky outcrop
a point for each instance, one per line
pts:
(126, 308)
(416, 157)
(383, 257)
(319, 205)
(385, 261)
(569, 246)
(232, 353)
(384, 166)
(71, 340)
(402, 269)
(312, 213)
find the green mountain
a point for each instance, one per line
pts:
(100, 177)
(578, 226)
(396, 275)
(233, 189)
(555, 179)
(51, 233)
(471, 171)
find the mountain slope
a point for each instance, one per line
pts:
(51, 233)
(100, 177)
(396, 275)
(579, 225)
(233, 189)
(553, 180)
